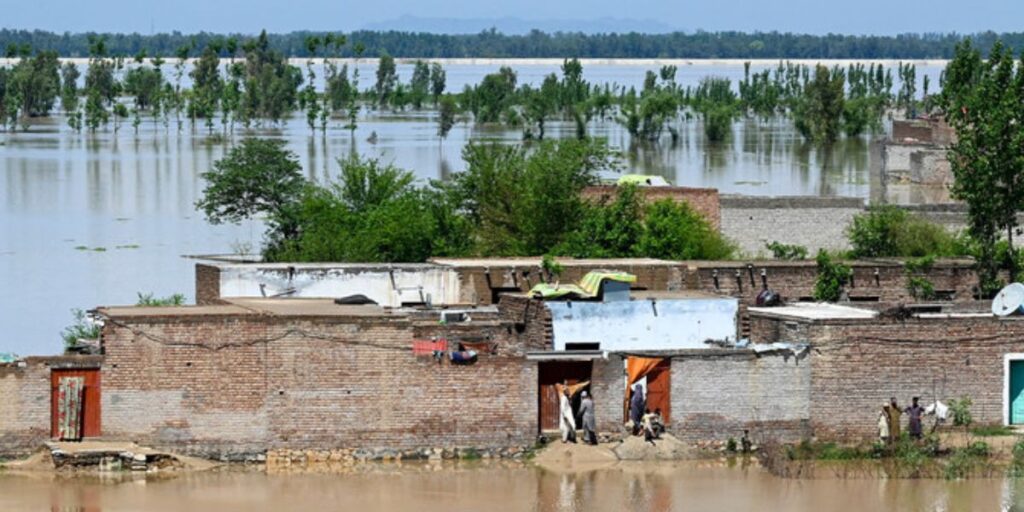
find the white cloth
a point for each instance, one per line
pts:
(566, 421)
(939, 409)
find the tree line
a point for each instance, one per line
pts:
(255, 84)
(537, 44)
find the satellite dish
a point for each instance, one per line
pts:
(1009, 300)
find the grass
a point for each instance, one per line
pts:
(128, 246)
(87, 248)
(992, 431)
(469, 454)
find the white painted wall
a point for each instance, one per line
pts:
(334, 281)
(644, 324)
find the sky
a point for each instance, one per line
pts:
(249, 16)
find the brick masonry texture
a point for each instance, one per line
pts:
(247, 383)
(716, 396)
(702, 200)
(815, 223)
(856, 366)
(207, 284)
(25, 401)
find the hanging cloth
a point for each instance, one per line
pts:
(636, 369)
(69, 408)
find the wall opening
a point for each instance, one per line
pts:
(74, 403)
(558, 372)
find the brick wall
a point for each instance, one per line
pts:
(245, 383)
(795, 279)
(25, 401)
(609, 389)
(701, 200)
(717, 395)
(858, 366)
(207, 284)
(479, 287)
(752, 222)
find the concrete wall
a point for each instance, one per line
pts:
(717, 396)
(665, 324)
(812, 222)
(388, 285)
(237, 384)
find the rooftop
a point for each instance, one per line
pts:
(247, 306)
(815, 311)
(536, 262)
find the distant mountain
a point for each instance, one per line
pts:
(518, 26)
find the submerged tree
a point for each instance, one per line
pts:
(819, 113)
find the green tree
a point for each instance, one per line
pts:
(258, 176)
(446, 112)
(69, 94)
(610, 229)
(818, 114)
(983, 102)
(832, 278)
(387, 79)
(437, 81)
(419, 86)
(673, 231)
(207, 86)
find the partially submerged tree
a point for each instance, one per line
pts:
(256, 177)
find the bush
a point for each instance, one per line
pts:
(782, 251)
(918, 286)
(673, 231)
(147, 300)
(84, 328)
(961, 410)
(889, 231)
(832, 277)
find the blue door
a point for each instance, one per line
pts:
(1016, 392)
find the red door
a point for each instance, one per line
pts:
(659, 386)
(90, 400)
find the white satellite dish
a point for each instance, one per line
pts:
(1009, 300)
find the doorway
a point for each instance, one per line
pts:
(659, 387)
(557, 372)
(1016, 391)
(74, 404)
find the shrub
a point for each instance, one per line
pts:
(673, 231)
(889, 231)
(147, 300)
(992, 431)
(83, 328)
(961, 410)
(781, 251)
(832, 277)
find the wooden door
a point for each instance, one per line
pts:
(551, 373)
(659, 387)
(90, 400)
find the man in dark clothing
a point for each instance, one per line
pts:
(914, 413)
(636, 408)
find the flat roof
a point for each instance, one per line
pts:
(321, 266)
(815, 311)
(252, 306)
(535, 262)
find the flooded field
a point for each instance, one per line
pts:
(683, 486)
(102, 217)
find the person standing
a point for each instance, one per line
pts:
(636, 408)
(914, 413)
(883, 425)
(894, 420)
(589, 420)
(567, 420)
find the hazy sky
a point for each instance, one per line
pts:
(811, 16)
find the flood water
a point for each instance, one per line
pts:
(682, 486)
(95, 219)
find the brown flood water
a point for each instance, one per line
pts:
(682, 486)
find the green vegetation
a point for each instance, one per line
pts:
(919, 286)
(889, 231)
(781, 251)
(510, 201)
(961, 411)
(981, 100)
(148, 300)
(832, 278)
(83, 328)
(992, 431)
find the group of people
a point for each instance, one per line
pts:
(889, 420)
(567, 418)
(643, 420)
